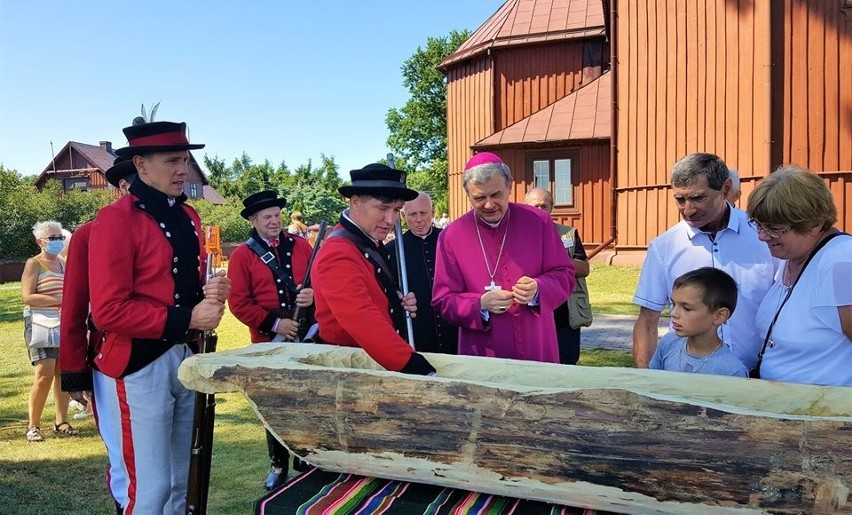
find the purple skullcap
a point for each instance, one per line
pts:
(481, 159)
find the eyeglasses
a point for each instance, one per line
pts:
(56, 238)
(769, 231)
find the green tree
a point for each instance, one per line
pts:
(78, 207)
(315, 202)
(244, 177)
(308, 188)
(433, 180)
(418, 130)
(232, 227)
(21, 206)
(325, 175)
(220, 176)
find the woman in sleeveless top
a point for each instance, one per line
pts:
(297, 225)
(41, 289)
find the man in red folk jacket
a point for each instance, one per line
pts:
(267, 273)
(79, 340)
(146, 280)
(358, 302)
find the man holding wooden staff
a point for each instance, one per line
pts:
(146, 273)
(266, 274)
(358, 302)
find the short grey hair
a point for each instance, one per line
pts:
(40, 229)
(483, 173)
(686, 171)
(735, 180)
(420, 195)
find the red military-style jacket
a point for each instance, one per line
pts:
(254, 291)
(351, 306)
(131, 281)
(76, 344)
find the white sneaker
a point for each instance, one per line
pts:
(76, 405)
(82, 415)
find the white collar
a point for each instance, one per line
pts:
(431, 227)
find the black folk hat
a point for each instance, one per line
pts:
(378, 180)
(148, 138)
(261, 200)
(121, 168)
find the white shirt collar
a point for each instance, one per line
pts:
(735, 220)
(431, 227)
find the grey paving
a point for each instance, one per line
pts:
(613, 332)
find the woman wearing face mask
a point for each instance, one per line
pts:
(41, 288)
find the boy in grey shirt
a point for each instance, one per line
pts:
(702, 300)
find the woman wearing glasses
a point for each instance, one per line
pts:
(806, 316)
(41, 288)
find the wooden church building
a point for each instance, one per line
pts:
(595, 100)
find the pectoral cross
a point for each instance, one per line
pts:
(493, 287)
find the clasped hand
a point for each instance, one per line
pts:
(409, 303)
(288, 328)
(499, 301)
(207, 314)
(305, 297)
(496, 301)
(525, 290)
(218, 287)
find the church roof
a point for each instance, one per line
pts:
(521, 22)
(584, 114)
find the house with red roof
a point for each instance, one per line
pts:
(80, 166)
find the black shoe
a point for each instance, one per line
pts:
(276, 478)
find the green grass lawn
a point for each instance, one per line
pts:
(611, 289)
(66, 475)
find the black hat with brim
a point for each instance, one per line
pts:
(261, 200)
(121, 168)
(378, 180)
(149, 138)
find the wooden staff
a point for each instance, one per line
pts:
(403, 269)
(198, 484)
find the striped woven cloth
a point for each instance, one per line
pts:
(316, 492)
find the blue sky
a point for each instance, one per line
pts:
(280, 80)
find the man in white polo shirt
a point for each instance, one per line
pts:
(711, 233)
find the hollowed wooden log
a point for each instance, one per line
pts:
(638, 441)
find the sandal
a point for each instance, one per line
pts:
(34, 434)
(65, 429)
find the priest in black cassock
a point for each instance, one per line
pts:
(431, 332)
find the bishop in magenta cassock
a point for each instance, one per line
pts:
(501, 270)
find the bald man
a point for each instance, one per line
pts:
(431, 332)
(567, 337)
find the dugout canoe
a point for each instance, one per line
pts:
(619, 439)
